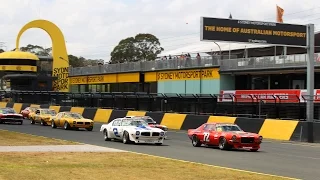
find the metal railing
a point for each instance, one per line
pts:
(206, 61)
(226, 64)
(267, 62)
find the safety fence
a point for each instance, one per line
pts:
(198, 104)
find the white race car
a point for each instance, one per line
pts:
(152, 123)
(132, 130)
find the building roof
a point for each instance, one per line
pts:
(18, 55)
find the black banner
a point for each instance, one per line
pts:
(214, 29)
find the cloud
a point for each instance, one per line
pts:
(93, 27)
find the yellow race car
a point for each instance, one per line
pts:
(43, 116)
(71, 120)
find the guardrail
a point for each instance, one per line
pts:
(225, 62)
(267, 62)
(206, 61)
(208, 104)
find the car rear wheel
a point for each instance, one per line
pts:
(158, 144)
(254, 150)
(53, 125)
(223, 144)
(195, 141)
(32, 121)
(105, 135)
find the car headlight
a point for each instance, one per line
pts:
(234, 138)
(74, 122)
(260, 138)
(137, 133)
(162, 134)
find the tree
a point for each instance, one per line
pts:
(74, 61)
(132, 49)
(1, 50)
(37, 50)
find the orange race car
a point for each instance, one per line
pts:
(25, 113)
(226, 136)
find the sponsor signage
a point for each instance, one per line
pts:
(268, 96)
(188, 74)
(214, 29)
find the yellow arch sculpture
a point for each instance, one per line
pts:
(60, 68)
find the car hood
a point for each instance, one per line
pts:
(146, 128)
(241, 133)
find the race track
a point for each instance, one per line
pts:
(285, 159)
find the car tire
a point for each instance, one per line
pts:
(21, 122)
(195, 141)
(53, 125)
(105, 135)
(125, 138)
(32, 121)
(223, 144)
(254, 150)
(66, 126)
(42, 123)
(89, 129)
(158, 144)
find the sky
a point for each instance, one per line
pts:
(92, 28)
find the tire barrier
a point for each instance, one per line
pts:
(288, 130)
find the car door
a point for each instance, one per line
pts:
(37, 116)
(114, 129)
(58, 120)
(216, 135)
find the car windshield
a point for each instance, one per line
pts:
(73, 115)
(135, 122)
(228, 128)
(7, 111)
(49, 112)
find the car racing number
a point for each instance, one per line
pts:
(116, 132)
(206, 137)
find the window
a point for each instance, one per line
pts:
(38, 112)
(209, 127)
(116, 123)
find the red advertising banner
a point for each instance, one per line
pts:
(268, 96)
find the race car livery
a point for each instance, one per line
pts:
(226, 136)
(71, 120)
(9, 115)
(27, 112)
(43, 116)
(132, 130)
(152, 123)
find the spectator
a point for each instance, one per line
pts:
(199, 59)
(170, 56)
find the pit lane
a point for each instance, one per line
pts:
(285, 159)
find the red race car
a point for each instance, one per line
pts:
(27, 110)
(226, 136)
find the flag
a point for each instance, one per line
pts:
(280, 13)
(230, 16)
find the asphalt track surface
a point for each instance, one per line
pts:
(296, 160)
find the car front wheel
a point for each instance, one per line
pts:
(223, 144)
(125, 138)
